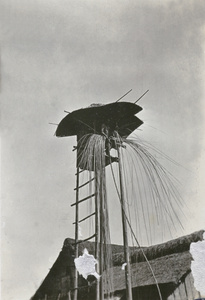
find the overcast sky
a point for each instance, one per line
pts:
(64, 55)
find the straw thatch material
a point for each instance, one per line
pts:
(167, 269)
(178, 245)
(170, 262)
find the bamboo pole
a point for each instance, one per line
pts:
(101, 231)
(125, 234)
(75, 295)
(97, 241)
(69, 296)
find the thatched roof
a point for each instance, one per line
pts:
(170, 261)
(167, 269)
(178, 245)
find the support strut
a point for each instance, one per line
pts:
(75, 295)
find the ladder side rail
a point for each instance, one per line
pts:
(75, 295)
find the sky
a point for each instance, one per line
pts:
(64, 55)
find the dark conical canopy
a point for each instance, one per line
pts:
(118, 116)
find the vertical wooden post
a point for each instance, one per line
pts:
(75, 295)
(69, 296)
(125, 234)
(97, 237)
(101, 231)
(59, 296)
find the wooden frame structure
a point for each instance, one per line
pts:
(108, 123)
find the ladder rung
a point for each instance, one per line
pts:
(89, 238)
(79, 172)
(84, 184)
(85, 218)
(83, 199)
